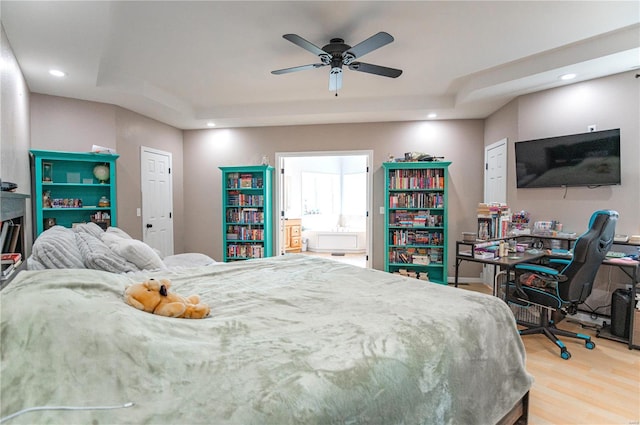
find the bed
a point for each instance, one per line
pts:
(291, 340)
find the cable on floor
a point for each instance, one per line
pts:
(37, 408)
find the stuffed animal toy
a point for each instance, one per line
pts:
(153, 296)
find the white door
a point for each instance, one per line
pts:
(495, 185)
(157, 200)
(495, 172)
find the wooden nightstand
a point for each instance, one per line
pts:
(293, 235)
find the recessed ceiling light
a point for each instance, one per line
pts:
(432, 115)
(57, 73)
(568, 76)
(211, 124)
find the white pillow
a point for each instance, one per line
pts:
(56, 248)
(118, 232)
(90, 228)
(98, 256)
(110, 238)
(138, 253)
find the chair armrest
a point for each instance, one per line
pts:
(536, 268)
(562, 261)
(548, 274)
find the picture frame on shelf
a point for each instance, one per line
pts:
(73, 177)
(47, 171)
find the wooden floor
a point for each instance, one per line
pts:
(598, 387)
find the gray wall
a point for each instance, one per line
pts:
(611, 102)
(14, 128)
(59, 123)
(458, 141)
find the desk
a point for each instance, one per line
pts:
(537, 241)
(631, 269)
(505, 263)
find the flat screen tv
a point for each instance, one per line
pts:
(587, 159)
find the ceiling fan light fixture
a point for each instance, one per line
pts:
(337, 53)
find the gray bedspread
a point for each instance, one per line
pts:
(291, 340)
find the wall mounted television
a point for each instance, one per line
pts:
(586, 159)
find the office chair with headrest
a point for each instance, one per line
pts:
(560, 291)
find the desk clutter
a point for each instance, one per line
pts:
(546, 246)
(495, 221)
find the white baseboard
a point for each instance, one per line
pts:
(587, 319)
(465, 280)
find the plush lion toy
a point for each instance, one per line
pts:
(153, 296)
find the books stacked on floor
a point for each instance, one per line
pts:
(10, 263)
(420, 275)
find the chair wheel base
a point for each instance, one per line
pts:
(565, 354)
(590, 345)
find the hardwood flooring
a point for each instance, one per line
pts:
(594, 387)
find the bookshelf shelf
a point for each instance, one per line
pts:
(66, 191)
(12, 234)
(247, 212)
(416, 219)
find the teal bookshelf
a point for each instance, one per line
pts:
(247, 220)
(73, 187)
(416, 219)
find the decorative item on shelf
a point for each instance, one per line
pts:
(101, 172)
(102, 219)
(46, 199)
(104, 202)
(47, 172)
(49, 223)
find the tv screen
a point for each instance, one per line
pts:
(587, 159)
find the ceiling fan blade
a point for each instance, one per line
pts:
(375, 69)
(335, 79)
(372, 43)
(297, 68)
(296, 39)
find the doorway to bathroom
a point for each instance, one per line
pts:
(324, 203)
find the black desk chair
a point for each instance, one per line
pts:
(560, 291)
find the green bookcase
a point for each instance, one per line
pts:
(416, 219)
(73, 187)
(247, 220)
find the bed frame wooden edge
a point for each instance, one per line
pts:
(519, 414)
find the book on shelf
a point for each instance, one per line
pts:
(9, 236)
(246, 180)
(12, 243)
(13, 257)
(7, 268)
(3, 233)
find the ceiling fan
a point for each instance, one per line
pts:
(337, 53)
